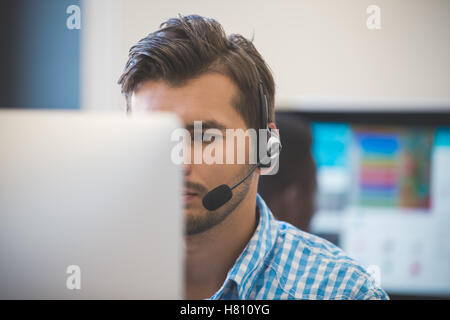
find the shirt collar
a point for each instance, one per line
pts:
(252, 258)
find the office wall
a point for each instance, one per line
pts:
(316, 48)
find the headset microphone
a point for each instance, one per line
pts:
(220, 195)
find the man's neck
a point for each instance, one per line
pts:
(211, 254)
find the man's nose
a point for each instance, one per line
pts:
(187, 168)
(188, 157)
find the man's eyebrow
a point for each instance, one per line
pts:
(207, 124)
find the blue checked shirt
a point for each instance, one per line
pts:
(283, 262)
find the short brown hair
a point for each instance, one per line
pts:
(189, 46)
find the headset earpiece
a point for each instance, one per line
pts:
(273, 145)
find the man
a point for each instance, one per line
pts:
(290, 194)
(237, 251)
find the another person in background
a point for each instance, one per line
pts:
(290, 194)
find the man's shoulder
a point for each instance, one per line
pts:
(305, 266)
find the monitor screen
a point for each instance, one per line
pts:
(384, 196)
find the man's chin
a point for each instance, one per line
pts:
(196, 223)
(194, 212)
(194, 208)
(198, 220)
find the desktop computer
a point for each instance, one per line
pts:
(90, 206)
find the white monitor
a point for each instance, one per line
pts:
(90, 206)
(384, 192)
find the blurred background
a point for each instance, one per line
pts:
(372, 105)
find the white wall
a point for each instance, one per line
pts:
(316, 48)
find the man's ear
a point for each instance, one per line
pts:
(274, 148)
(272, 125)
(274, 129)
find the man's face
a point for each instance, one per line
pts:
(209, 99)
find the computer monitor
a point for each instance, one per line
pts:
(384, 193)
(90, 206)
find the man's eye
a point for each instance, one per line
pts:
(208, 137)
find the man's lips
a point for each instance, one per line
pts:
(189, 195)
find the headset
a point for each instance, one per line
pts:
(220, 195)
